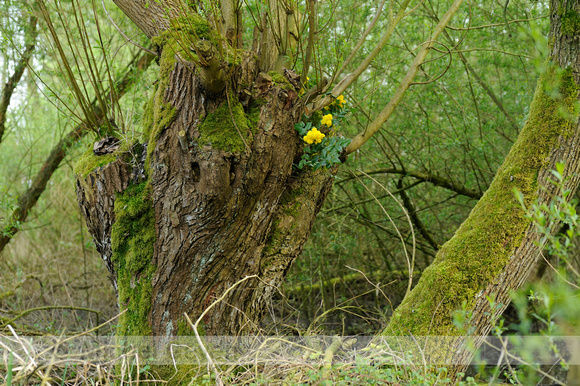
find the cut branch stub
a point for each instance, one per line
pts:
(96, 194)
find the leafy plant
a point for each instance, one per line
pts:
(323, 150)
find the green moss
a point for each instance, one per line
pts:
(194, 25)
(280, 80)
(184, 329)
(291, 202)
(158, 115)
(571, 23)
(227, 130)
(274, 237)
(291, 195)
(89, 162)
(132, 239)
(484, 243)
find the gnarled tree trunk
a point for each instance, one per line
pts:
(210, 195)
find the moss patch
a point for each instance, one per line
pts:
(227, 130)
(158, 115)
(483, 244)
(89, 162)
(280, 80)
(194, 25)
(133, 238)
(571, 23)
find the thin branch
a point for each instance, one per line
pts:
(195, 325)
(423, 176)
(411, 261)
(495, 25)
(349, 79)
(81, 98)
(18, 72)
(122, 33)
(361, 41)
(312, 21)
(408, 204)
(30, 310)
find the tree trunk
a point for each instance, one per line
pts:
(494, 250)
(209, 198)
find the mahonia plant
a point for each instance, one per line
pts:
(323, 150)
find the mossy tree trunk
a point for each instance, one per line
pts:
(210, 194)
(494, 250)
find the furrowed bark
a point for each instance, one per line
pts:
(494, 250)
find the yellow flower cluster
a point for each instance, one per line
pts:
(340, 100)
(327, 120)
(313, 136)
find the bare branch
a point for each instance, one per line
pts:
(408, 204)
(427, 177)
(312, 21)
(18, 72)
(360, 42)
(384, 115)
(349, 79)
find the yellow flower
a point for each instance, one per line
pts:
(327, 120)
(313, 136)
(340, 100)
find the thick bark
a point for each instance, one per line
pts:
(494, 250)
(152, 17)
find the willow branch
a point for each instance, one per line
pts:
(349, 79)
(360, 42)
(480, 81)
(408, 204)
(427, 177)
(18, 72)
(311, 36)
(361, 138)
